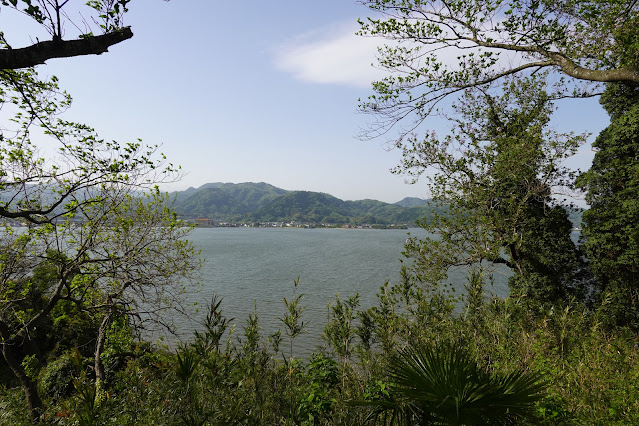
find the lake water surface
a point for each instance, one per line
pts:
(254, 269)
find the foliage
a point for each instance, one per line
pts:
(128, 259)
(340, 330)
(100, 256)
(53, 15)
(215, 326)
(579, 42)
(260, 202)
(495, 174)
(42, 186)
(319, 400)
(293, 324)
(590, 371)
(442, 384)
(101, 243)
(586, 41)
(56, 379)
(611, 225)
(94, 248)
(60, 19)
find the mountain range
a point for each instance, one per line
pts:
(261, 202)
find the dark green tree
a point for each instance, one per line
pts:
(611, 225)
(580, 43)
(495, 174)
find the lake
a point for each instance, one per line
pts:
(253, 269)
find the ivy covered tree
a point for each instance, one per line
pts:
(611, 225)
(495, 175)
(440, 49)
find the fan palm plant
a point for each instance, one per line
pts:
(444, 386)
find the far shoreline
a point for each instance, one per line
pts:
(290, 225)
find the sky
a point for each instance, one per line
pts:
(251, 92)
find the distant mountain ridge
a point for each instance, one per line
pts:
(262, 202)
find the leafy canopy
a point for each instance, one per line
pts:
(611, 225)
(494, 176)
(440, 48)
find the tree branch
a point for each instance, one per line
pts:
(40, 52)
(568, 66)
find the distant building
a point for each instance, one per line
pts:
(204, 221)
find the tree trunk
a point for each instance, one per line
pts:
(99, 347)
(98, 367)
(28, 385)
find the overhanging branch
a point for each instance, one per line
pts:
(40, 52)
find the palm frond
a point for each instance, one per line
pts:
(445, 385)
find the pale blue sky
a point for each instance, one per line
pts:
(249, 92)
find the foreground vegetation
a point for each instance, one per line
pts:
(579, 369)
(562, 349)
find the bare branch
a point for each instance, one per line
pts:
(39, 53)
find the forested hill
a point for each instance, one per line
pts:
(261, 202)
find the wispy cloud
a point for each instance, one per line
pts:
(336, 55)
(333, 55)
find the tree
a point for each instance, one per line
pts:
(41, 187)
(53, 192)
(95, 220)
(589, 41)
(493, 177)
(34, 187)
(127, 258)
(611, 225)
(581, 44)
(54, 16)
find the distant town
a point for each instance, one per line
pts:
(210, 223)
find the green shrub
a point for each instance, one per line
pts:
(56, 379)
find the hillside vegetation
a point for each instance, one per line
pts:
(261, 202)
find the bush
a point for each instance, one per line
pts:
(56, 379)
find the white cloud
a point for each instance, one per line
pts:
(333, 55)
(336, 55)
